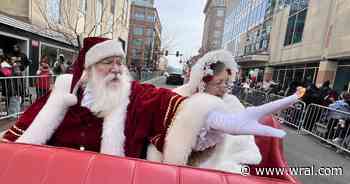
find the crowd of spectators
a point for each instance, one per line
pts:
(15, 82)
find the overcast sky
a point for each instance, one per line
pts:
(182, 20)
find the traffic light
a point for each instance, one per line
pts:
(177, 53)
(166, 53)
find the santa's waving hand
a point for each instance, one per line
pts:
(50, 123)
(247, 121)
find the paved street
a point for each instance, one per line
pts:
(161, 83)
(304, 151)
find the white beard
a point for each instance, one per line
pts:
(108, 94)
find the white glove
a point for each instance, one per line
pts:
(246, 121)
(52, 113)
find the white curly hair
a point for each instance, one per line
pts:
(201, 68)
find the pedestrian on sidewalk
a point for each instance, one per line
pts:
(20, 63)
(58, 66)
(44, 74)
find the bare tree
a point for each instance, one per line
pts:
(71, 22)
(168, 39)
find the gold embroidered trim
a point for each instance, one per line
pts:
(18, 129)
(14, 133)
(168, 110)
(176, 112)
(155, 139)
(172, 123)
(176, 104)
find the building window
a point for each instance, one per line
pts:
(147, 55)
(275, 75)
(83, 6)
(54, 11)
(298, 5)
(220, 3)
(148, 42)
(218, 23)
(112, 6)
(216, 34)
(149, 32)
(139, 15)
(99, 6)
(296, 22)
(295, 28)
(137, 42)
(138, 31)
(136, 53)
(150, 18)
(220, 13)
(299, 75)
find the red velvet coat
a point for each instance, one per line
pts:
(149, 114)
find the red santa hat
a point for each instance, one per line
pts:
(94, 49)
(103, 50)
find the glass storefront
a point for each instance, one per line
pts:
(342, 78)
(286, 75)
(53, 52)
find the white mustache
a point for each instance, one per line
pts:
(112, 76)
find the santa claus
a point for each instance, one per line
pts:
(99, 108)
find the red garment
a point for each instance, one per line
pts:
(149, 114)
(43, 81)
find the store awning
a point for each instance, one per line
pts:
(34, 29)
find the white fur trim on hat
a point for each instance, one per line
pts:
(103, 50)
(198, 72)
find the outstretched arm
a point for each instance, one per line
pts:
(247, 121)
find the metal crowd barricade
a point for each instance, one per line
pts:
(328, 125)
(19, 92)
(293, 115)
(253, 97)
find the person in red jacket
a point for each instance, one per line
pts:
(43, 81)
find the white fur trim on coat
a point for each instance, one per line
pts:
(103, 50)
(52, 113)
(185, 90)
(182, 134)
(153, 154)
(231, 155)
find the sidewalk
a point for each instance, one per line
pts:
(304, 151)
